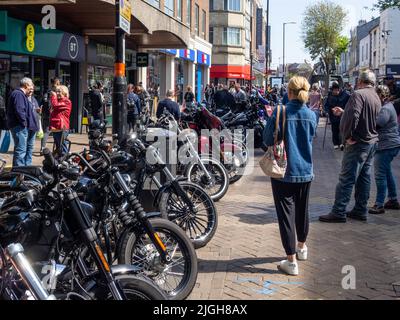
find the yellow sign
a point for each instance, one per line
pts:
(126, 9)
(30, 37)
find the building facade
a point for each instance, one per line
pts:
(374, 45)
(237, 33)
(389, 56)
(80, 50)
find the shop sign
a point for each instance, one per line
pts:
(125, 13)
(393, 69)
(169, 51)
(203, 58)
(100, 54)
(73, 47)
(142, 60)
(3, 25)
(30, 37)
(187, 54)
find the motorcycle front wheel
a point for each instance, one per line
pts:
(217, 186)
(199, 224)
(176, 278)
(134, 288)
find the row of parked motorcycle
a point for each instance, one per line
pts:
(75, 228)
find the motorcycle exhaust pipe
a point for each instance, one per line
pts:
(15, 252)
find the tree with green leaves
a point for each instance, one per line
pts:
(322, 29)
(386, 4)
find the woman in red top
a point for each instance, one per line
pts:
(59, 118)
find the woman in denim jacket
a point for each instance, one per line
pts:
(291, 194)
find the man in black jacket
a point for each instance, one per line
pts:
(97, 102)
(169, 104)
(336, 98)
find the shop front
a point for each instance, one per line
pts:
(226, 74)
(202, 72)
(28, 50)
(187, 58)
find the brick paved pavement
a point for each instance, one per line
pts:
(240, 262)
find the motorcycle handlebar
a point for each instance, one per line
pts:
(49, 162)
(87, 164)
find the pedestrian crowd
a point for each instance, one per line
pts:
(365, 125)
(27, 120)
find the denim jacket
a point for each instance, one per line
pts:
(301, 126)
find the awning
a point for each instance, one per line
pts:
(230, 72)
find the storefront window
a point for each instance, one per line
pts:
(179, 80)
(4, 76)
(154, 74)
(19, 70)
(106, 76)
(65, 74)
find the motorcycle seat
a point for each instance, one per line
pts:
(34, 171)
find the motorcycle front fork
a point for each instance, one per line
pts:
(15, 253)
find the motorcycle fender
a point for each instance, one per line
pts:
(122, 269)
(160, 191)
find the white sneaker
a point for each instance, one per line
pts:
(302, 254)
(290, 268)
(336, 147)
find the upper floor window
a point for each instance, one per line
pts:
(232, 37)
(179, 9)
(155, 3)
(188, 12)
(211, 5)
(232, 5)
(196, 20)
(211, 35)
(169, 7)
(203, 22)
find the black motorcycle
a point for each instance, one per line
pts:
(46, 220)
(157, 247)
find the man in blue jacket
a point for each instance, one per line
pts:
(22, 121)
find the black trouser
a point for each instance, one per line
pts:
(336, 137)
(291, 203)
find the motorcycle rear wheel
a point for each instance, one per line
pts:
(138, 250)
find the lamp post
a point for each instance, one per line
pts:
(284, 40)
(119, 117)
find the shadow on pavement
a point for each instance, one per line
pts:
(241, 265)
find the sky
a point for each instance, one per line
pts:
(292, 11)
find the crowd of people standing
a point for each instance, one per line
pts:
(365, 125)
(27, 119)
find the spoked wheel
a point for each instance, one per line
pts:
(176, 278)
(200, 223)
(134, 288)
(218, 183)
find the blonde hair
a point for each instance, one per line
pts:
(300, 87)
(64, 91)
